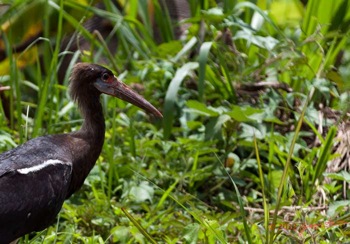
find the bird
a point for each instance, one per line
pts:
(39, 175)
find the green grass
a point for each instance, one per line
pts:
(225, 164)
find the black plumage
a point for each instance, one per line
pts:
(36, 177)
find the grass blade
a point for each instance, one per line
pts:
(139, 227)
(327, 147)
(286, 166)
(171, 96)
(202, 60)
(240, 203)
(262, 180)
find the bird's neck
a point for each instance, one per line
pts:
(90, 139)
(94, 125)
(93, 128)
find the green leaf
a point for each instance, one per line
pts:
(202, 60)
(200, 108)
(246, 4)
(325, 153)
(169, 49)
(213, 128)
(191, 233)
(188, 46)
(342, 175)
(142, 192)
(250, 132)
(214, 15)
(214, 225)
(120, 233)
(246, 114)
(193, 125)
(6, 140)
(335, 206)
(263, 42)
(286, 13)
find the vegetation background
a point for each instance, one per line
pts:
(254, 144)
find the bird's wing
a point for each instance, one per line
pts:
(31, 197)
(34, 181)
(34, 186)
(32, 153)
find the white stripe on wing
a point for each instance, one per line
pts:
(41, 166)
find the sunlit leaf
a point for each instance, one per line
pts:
(200, 108)
(202, 60)
(286, 13)
(214, 14)
(335, 206)
(191, 233)
(245, 114)
(342, 175)
(169, 48)
(142, 192)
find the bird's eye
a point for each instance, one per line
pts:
(105, 77)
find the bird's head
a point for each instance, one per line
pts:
(93, 79)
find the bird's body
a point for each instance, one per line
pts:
(36, 177)
(26, 186)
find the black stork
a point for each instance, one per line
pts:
(36, 177)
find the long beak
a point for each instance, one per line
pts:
(116, 88)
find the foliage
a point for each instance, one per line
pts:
(226, 164)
